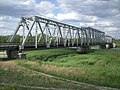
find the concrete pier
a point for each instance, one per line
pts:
(13, 54)
(22, 55)
(106, 46)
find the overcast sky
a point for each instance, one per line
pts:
(103, 15)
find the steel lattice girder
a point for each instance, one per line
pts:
(61, 33)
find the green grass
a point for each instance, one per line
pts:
(17, 76)
(101, 67)
(118, 45)
(47, 55)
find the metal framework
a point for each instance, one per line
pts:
(40, 31)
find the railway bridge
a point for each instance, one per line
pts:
(42, 33)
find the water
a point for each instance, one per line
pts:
(116, 48)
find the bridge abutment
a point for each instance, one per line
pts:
(12, 53)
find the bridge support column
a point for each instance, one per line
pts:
(83, 49)
(22, 55)
(114, 45)
(106, 46)
(12, 53)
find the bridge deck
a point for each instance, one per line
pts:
(39, 47)
(9, 47)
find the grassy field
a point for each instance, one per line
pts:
(118, 45)
(63, 69)
(15, 77)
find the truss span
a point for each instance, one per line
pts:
(38, 31)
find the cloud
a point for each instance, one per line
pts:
(12, 10)
(8, 24)
(75, 17)
(7, 21)
(45, 7)
(100, 8)
(111, 28)
(103, 15)
(71, 15)
(87, 24)
(114, 34)
(17, 7)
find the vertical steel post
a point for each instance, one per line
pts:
(36, 36)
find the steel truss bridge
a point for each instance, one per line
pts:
(49, 33)
(37, 32)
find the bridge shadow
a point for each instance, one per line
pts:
(6, 59)
(86, 52)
